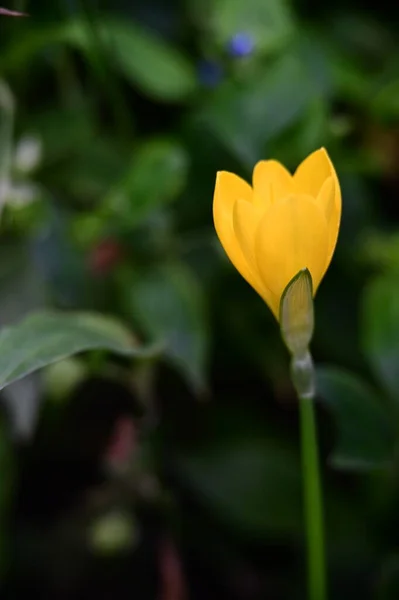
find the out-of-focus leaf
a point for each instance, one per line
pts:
(149, 62)
(160, 70)
(350, 80)
(381, 250)
(168, 305)
(385, 103)
(267, 23)
(77, 161)
(156, 175)
(19, 52)
(62, 377)
(250, 480)
(309, 133)
(90, 171)
(365, 434)
(44, 338)
(6, 133)
(245, 116)
(358, 34)
(380, 330)
(315, 54)
(22, 291)
(63, 131)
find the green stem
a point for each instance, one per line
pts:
(313, 503)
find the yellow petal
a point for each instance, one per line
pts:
(245, 222)
(329, 199)
(271, 182)
(326, 198)
(228, 189)
(312, 173)
(291, 236)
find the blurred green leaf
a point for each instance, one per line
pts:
(245, 116)
(381, 250)
(21, 288)
(385, 103)
(350, 80)
(20, 51)
(79, 160)
(62, 377)
(315, 54)
(64, 130)
(267, 23)
(249, 479)
(359, 35)
(157, 175)
(168, 304)
(309, 133)
(90, 171)
(44, 338)
(149, 62)
(6, 137)
(380, 330)
(365, 434)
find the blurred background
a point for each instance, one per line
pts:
(178, 477)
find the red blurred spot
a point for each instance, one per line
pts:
(122, 444)
(173, 586)
(11, 13)
(105, 256)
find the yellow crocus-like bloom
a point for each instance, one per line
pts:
(281, 224)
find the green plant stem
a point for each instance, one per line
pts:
(313, 503)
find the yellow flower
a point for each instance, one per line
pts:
(280, 225)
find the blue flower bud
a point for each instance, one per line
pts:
(241, 44)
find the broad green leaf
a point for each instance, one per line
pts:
(22, 292)
(152, 64)
(380, 330)
(157, 174)
(149, 62)
(364, 426)
(169, 306)
(44, 338)
(20, 51)
(245, 116)
(268, 23)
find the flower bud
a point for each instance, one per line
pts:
(241, 45)
(296, 313)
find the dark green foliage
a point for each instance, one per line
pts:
(179, 423)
